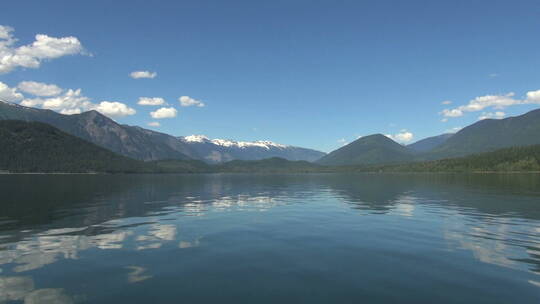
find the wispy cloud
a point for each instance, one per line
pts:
(142, 74)
(151, 101)
(343, 141)
(186, 101)
(495, 115)
(453, 130)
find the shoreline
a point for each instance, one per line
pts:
(260, 173)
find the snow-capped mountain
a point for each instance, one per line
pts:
(222, 150)
(143, 144)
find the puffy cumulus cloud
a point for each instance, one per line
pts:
(9, 94)
(70, 102)
(446, 102)
(154, 124)
(164, 113)
(142, 74)
(403, 136)
(39, 88)
(114, 109)
(151, 101)
(533, 96)
(497, 102)
(496, 115)
(74, 102)
(186, 101)
(32, 55)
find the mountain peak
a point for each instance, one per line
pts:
(375, 139)
(371, 149)
(195, 138)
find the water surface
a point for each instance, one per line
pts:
(270, 238)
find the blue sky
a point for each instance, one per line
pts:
(307, 73)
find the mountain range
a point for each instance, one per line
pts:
(39, 147)
(483, 136)
(143, 144)
(220, 150)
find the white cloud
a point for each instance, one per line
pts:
(493, 75)
(154, 124)
(74, 102)
(497, 102)
(142, 74)
(446, 102)
(151, 101)
(444, 119)
(342, 141)
(453, 130)
(533, 96)
(7, 93)
(39, 88)
(71, 111)
(452, 112)
(70, 102)
(186, 101)
(114, 109)
(403, 136)
(496, 115)
(32, 55)
(164, 113)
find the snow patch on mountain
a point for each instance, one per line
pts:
(195, 138)
(232, 143)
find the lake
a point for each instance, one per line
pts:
(314, 238)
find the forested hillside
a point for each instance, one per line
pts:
(38, 147)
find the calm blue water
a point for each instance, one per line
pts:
(270, 239)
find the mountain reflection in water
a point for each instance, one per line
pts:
(318, 237)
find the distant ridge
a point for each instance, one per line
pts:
(430, 143)
(491, 134)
